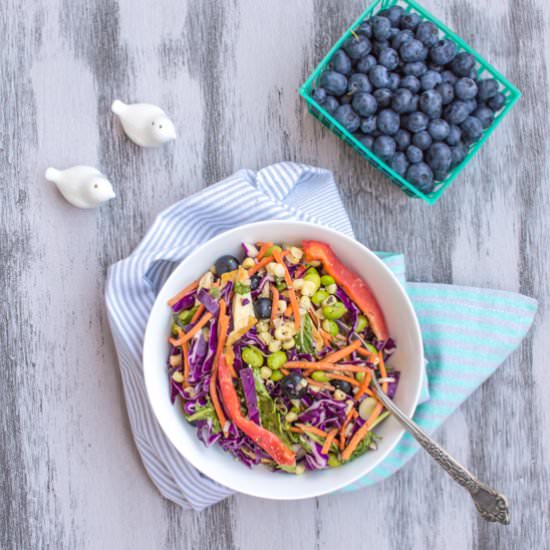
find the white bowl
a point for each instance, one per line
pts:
(216, 463)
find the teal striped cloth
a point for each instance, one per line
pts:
(467, 333)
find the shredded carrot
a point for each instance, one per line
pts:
(322, 385)
(300, 271)
(259, 265)
(341, 353)
(342, 432)
(197, 314)
(295, 430)
(328, 441)
(364, 429)
(189, 288)
(186, 336)
(327, 338)
(263, 250)
(288, 310)
(323, 365)
(312, 430)
(284, 371)
(363, 388)
(352, 381)
(274, 303)
(185, 350)
(292, 295)
(366, 353)
(223, 322)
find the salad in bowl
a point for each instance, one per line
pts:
(271, 353)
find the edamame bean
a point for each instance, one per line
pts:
(361, 323)
(334, 311)
(331, 327)
(333, 460)
(185, 316)
(276, 360)
(359, 376)
(319, 297)
(313, 276)
(320, 376)
(252, 356)
(327, 280)
(269, 251)
(277, 375)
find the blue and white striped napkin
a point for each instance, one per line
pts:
(467, 332)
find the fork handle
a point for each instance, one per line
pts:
(491, 505)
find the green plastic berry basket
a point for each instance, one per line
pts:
(511, 93)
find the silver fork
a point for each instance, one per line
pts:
(491, 505)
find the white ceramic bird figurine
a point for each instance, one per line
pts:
(82, 186)
(145, 124)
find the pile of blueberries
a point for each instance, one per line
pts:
(408, 95)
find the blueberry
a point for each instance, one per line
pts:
(347, 117)
(454, 135)
(402, 99)
(378, 46)
(400, 38)
(471, 104)
(262, 308)
(439, 129)
(411, 83)
(367, 141)
(442, 52)
(456, 112)
(414, 154)
(358, 82)
(319, 95)
(334, 83)
(383, 97)
(381, 27)
(421, 176)
(462, 64)
(364, 104)
(427, 33)
(365, 29)
(395, 79)
(225, 264)
(387, 121)
(357, 46)
(331, 104)
(458, 154)
(465, 88)
(422, 140)
(394, 14)
(446, 91)
(430, 102)
(402, 139)
(379, 76)
(439, 157)
(497, 101)
(366, 63)
(430, 79)
(471, 129)
(398, 163)
(485, 115)
(294, 385)
(448, 76)
(417, 121)
(413, 50)
(486, 88)
(417, 68)
(368, 124)
(414, 103)
(409, 21)
(255, 281)
(340, 62)
(384, 147)
(389, 58)
(342, 385)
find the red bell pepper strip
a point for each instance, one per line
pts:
(357, 289)
(267, 440)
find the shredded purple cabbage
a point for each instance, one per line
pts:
(249, 390)
(208, 301)
(392, 386)
(315, 460)
(186, 302)
(326, 413)
(226, 292)
(255, 293)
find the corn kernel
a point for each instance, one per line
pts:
(285, 331)
(274, 345)
(296, 252)
(275, 269)
(265, 373)
(298, 284)
(339, 395)
(305, 303)
(265, 337)
(248, 263)
(263, 325)
(282, 306)
(289, 344)
(308, 288)
(331, 289)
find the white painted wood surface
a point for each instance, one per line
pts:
(227, 72)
